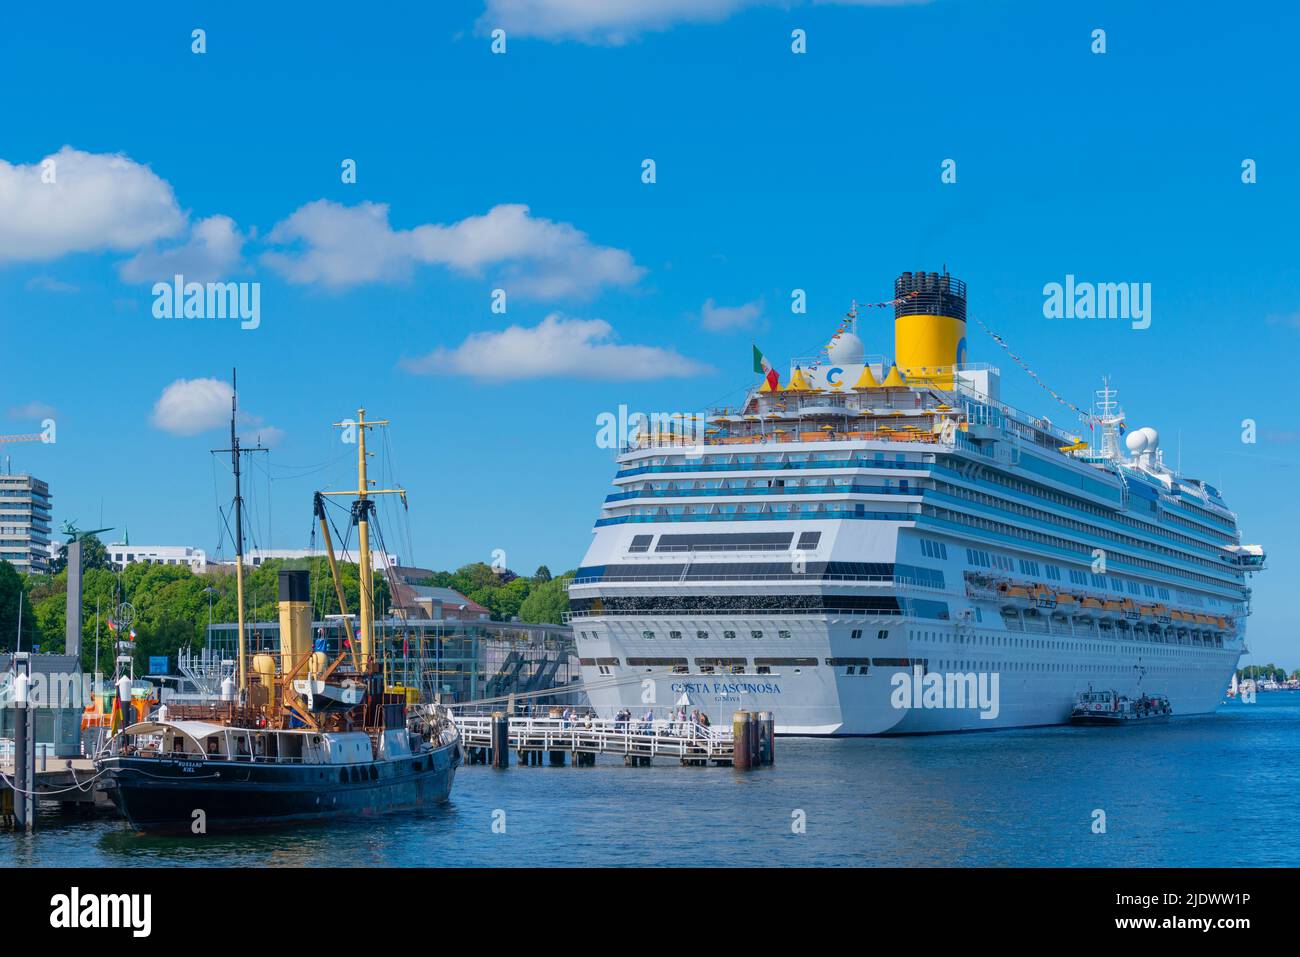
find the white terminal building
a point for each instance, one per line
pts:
(125, 553)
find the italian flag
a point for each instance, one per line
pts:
(765, 369)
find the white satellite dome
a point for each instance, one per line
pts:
(1136, 441)
(1153, 437)
(847, 350)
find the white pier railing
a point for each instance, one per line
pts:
(638, 739)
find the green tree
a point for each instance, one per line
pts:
(548, 602)
(505, 600)
(13, 593)
(543, 574)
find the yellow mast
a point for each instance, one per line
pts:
(361, 510)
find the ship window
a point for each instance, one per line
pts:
(756, 635)
(882, 634)
(647, 634)
(729, 635)
(784, 635)
(675, 635)
(857, 633)
(702, 635)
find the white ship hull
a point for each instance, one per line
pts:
(1035, 687)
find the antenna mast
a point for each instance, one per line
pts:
(1109, 415)
(235, 452)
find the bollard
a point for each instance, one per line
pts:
(500, 740)
(21, 782)
(742, 726)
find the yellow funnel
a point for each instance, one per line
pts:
(929, 327)
(295, 619)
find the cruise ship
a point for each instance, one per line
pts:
(879, 547)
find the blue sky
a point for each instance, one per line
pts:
(775, 171)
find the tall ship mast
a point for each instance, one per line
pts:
(887, 547)
(311, 734)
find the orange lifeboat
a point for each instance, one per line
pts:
(1066, 599)
(1092, 603)
(1162, 613)
(1044, 596)
(1011, 590)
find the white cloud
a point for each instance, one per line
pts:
(211, 253)
(267, 435)
(602, 21)
(340, 246)
(49, 284)
(191, 406)
(717, 318)
(617, 21)
(558, 346)
(96, 202)
(32, 410)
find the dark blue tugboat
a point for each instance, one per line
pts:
(305, 739)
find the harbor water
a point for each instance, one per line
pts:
(1199, 791)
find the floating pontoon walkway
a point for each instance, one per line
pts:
(637, 741)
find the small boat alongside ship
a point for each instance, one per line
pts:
(306, 737)
(1112, 708)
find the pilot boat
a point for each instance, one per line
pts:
(1111, 708)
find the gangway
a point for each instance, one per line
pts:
(544, 676)
(505, 680)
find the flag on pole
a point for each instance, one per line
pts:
(765, 369)
(112, 626)
(115, 716)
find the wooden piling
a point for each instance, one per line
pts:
(500, 740)
(742, 733)
(766, 738)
